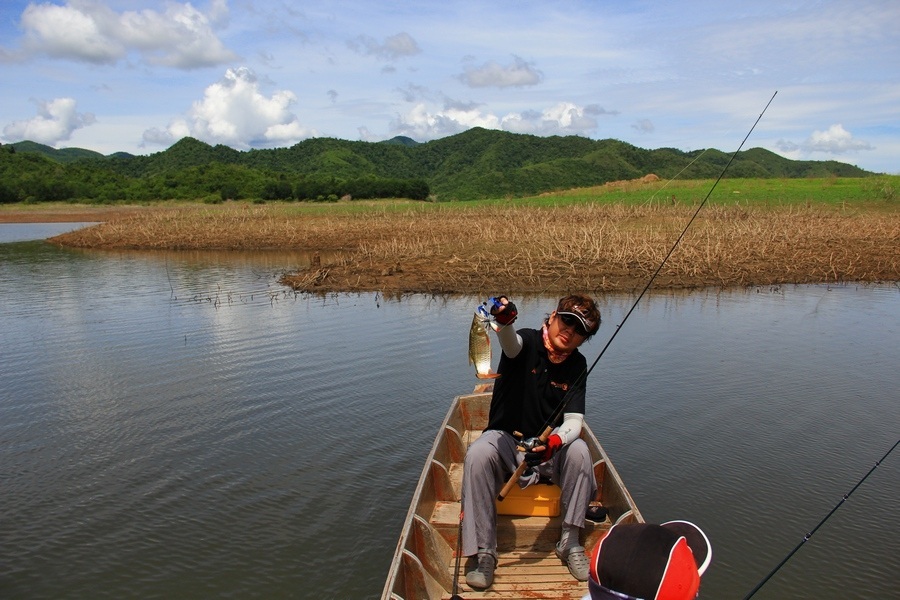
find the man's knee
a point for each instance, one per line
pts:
(477, 454)
(578, 455)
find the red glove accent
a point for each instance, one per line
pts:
(554, 443)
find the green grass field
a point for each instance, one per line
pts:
(872, 193)
(881, 191)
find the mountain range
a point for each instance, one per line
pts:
(478, 163)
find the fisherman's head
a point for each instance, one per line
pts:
(575, 320)
(651, 562)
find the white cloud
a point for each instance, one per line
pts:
(564, 118)
(394, 47)
(834, 140)
(88, 31)
(518, 74)
(234, 111)
(420, 124)
(698, 77)
(218, 13)
(54, 123)
(68, 32)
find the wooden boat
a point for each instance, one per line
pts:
(424, 561)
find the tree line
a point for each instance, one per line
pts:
(478, 163)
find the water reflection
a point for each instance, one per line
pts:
(168, 426)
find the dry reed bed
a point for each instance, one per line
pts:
(434, 248)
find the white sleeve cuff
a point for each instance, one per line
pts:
(570, 430)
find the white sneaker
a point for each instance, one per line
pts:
(576, 560)
(482, 576)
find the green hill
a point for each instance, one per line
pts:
(64, 155)
(478, 163)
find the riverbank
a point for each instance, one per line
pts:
(407, 247)
(65, 213)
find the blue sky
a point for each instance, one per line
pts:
(137, 75)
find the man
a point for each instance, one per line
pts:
(538, 371)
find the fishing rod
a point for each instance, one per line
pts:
(822, 522)
(456, 595)
(686, 167)
(548, 425)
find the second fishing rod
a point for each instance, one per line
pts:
(542, 437)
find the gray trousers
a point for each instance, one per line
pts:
(489, 462)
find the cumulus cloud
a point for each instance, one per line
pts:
(234, 111)
(55, 122)
(491, 74)
(834, 140)
(392, 48)
(89, 31)
(421, 124)
(564, 118)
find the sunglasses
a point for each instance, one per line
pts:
(570, 320)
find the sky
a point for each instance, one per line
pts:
(138, 75)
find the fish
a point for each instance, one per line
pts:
(480, 346)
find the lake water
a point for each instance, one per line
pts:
(179, 425)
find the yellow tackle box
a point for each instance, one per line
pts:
(537, 500)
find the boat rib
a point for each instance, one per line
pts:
(424, 560)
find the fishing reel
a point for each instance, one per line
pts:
(527, 445)
(530, 444)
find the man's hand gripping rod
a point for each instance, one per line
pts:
(541, 439)
(545, 435)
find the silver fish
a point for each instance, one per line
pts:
(480, 348)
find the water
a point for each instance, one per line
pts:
(26, 232)
(179, 425)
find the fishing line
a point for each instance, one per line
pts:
(456, 595)
(172, 296)
(462, 515)
(676, 176)
(561, 408)
(544, 433)
(647, 202)
(822, 522)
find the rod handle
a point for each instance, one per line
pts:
(514, 478)
(512, 481)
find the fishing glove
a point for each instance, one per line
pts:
(533, 459)
(504, 312)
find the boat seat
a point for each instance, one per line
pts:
(538, 500)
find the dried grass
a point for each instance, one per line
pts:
(594, 247)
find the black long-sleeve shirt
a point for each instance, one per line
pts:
(530, 387)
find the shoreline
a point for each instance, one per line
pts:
(57, 213)
(432, 249)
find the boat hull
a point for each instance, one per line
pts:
(424, 560)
